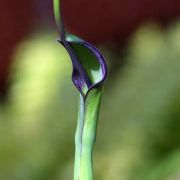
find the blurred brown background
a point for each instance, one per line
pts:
(102, 21)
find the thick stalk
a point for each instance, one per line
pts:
(86, 134)
(78, 137)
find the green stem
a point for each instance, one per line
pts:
(59, 19)
(78, 137)
(86, 134)
(57, 12)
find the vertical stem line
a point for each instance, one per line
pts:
(86, 134)
(58, 18)
(78, 137)
(57, 13)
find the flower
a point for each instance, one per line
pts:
(89, 66)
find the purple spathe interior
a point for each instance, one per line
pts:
(80, 77)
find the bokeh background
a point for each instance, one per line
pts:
(139, 127)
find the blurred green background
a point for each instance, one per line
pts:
(139, 127)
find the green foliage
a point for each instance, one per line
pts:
(139, 128)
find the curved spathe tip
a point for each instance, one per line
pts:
(89, 66)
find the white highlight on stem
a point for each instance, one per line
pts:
(86, 134)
